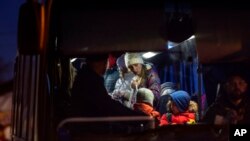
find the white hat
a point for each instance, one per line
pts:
(145, 95)
(133, 58)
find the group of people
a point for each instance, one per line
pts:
(136, 92)
(135, 74)
(139, 88)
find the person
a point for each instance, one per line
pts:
(145, 75)
(111, 74)
(6, 92)
(182, 110)
(144, 103)
(232, 103)
(166, 89)
(123, 91)
(89, 97)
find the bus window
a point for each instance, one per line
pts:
(57, 39)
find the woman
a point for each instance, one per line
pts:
(145, 75)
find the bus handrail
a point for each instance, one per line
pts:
(105, 119)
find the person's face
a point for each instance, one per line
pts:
(174, 108)
(136, 68)
(236, 87)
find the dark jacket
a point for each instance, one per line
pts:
(232, 114)
(90, 98)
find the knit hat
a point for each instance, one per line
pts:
(133, 58)
(167, 88)
(145, 95)
(181, 100)
(120, 62)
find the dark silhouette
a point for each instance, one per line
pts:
(89, 96)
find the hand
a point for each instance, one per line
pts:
(116, 95)
(134, 84)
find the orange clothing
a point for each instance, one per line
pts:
(182, 118)
(147, 109)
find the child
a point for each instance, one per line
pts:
(144, 103)
(123, 92)
(183, 110)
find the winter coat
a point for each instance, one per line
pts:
(153, 83)
(230, 114)
(182, 118)
(110, 77)
(147, 109)
(123, 90)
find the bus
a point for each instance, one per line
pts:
(190, 42)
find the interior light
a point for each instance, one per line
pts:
(171, 44)
(72, 60)
(148, 55)
(192, 37)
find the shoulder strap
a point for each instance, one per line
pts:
(169, 117)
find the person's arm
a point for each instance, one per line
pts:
(116, 95)
(115, 108)
(121, 91)
(154, 84)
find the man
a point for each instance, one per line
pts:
(232, 105)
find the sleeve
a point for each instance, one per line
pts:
(154, 84)
(118, 84)
(120, 92)
(164, 120)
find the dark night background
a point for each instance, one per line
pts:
(8, 37)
